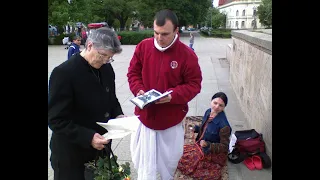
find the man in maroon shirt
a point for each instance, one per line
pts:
(163, 63)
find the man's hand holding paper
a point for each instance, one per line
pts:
(120, 127)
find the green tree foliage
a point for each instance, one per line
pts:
(188, 11)
(265, 13)
(121, 10)
(98, 12)
(82, 11)
(58, 12)
(215, 18)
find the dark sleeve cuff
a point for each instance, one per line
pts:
(85, 138)
(196, 129)
(206, 149)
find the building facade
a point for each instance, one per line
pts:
(241, 14)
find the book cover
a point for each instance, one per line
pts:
(148, 97)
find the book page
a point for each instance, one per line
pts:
(165, 94)
(139, 101)
(152, 96)
(148, 97)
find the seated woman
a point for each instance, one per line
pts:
(205, 159)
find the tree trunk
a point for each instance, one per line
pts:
(122, 24)
(111, 23)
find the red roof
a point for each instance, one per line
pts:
(222, 2)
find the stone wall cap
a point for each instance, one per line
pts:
(262, 39)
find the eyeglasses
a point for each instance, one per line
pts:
(102, 56)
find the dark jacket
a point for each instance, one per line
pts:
(73, 49)
(216, 134)
(76, 102)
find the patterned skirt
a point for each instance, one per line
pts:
(199, 166)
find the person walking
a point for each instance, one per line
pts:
(191, 40)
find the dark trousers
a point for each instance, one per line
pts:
(191, 46)
(72, 171)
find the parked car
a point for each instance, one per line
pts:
(98, 25)
(204, 28)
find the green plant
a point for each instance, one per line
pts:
(265, 13)
(218, 33)
(102, 172)
(134, 37)
(57, 40)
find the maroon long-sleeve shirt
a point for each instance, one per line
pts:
(176, 69)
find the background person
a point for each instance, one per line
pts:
(74, 46)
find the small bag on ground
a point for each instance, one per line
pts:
(249, 143)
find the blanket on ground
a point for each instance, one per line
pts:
(188, 140)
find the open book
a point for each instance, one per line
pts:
(149, 97)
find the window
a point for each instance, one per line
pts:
(237, 24)
(237, 13)
(242, 25)
(254, 12)
(243, 12)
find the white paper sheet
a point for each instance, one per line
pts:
(233, 141)
(121, 127)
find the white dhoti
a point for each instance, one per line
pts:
(157, 150)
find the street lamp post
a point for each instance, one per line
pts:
(211, 19)
(254, 17)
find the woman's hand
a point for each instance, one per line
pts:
(99, 141)
(203, 143)
(191, 126)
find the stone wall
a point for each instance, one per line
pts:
(250, 58)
